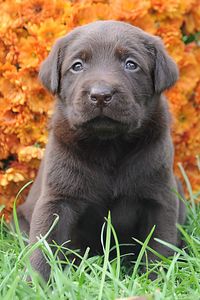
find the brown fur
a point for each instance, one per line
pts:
(109, 146)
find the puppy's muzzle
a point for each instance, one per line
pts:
(101, 95)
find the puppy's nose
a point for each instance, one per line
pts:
(101, 95)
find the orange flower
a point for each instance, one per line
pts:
(11, 175)
(38, 11)
(28, 52)
(3, 51)
(87, 13)
(169, 31)
(196, 14)
(171, 8)
(197, 96)
(39, 101)
(26, 154)
(193, 140)
(9, 14)
(176, 99)
(8, 144)
(47, 31)
(189, 73)
(189, 24)
(32, 131)
(185, 118)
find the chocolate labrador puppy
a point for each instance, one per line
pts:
(109, 146)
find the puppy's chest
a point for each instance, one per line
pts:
(94, 180)
(120, 178)
(117, 183)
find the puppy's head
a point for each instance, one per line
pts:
(108, 77)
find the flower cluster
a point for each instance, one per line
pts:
(28, 29)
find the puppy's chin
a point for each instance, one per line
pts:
(104, 128)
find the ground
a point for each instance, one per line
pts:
(97, 277)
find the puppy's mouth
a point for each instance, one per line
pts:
(105, 127)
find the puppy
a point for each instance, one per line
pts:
(109, 146)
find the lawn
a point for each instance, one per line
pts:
(97, 277)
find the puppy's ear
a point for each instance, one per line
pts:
(49, 73)
(165, 69)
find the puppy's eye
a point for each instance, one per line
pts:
(77, 66)
(130, 65)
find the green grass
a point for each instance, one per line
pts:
(97, 277)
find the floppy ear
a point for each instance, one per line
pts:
(165, 69)
(49, 73)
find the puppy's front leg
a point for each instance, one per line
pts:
(165, 217)
(42, 219)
